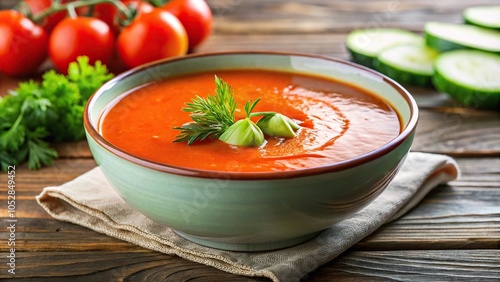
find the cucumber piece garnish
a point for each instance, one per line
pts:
(483, 16)
(446, 37)
(365, 44)
(469, 76)
(408, 64)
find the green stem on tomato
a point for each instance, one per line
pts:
(56, 6)
(24, 9)
(158, 3)
(72, 11)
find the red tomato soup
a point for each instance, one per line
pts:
(338, 121)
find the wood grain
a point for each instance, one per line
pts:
(8, 4)
(409, 265)
(115, 266)
(413, 265)
(323, 16)
(452, 235)
(331, 45)
(458, 132)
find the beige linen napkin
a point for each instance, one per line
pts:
(89, 201)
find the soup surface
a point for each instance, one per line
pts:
(338, 122)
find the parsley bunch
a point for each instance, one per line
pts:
(37, 113)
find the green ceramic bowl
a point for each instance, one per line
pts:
(252, 211)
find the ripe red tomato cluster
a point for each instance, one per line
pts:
(153, 33)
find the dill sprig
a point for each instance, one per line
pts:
(214, 117)
(211, 116)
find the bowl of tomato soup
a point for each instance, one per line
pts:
(356, 127)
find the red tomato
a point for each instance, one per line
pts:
(81, 36)
(141, 6)
(108, 12)
(23, 44)
(51, 21)
(152, 36)
(195, 16)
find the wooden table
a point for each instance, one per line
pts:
(453, 234)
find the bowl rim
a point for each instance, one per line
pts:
(408, 130)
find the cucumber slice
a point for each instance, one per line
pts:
(446, 37)
(469, 76)
(483, 16)
(408, 64)
(365, 44)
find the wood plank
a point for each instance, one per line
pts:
(464, 214)
(8, 4)
(7, 83)
(322, 16)
(412, 265)
(49, 235)
(449, 218)
(458, 132)
(31, 182)
(331, 45)
(113, 266)
(74, 149)
(457, 265)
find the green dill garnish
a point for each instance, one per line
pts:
(244, 132)
(211, 116)
(214, 117)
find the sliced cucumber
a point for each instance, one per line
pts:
(469, 76)
(446, 36)
(365, 44)
(408, 64)
(483, 16)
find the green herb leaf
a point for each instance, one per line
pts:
(88, 78)
(214, 117)
(35, 113)
(278, 125)
(243, 133)
(39, 151)
(249, 107)
(211, 116)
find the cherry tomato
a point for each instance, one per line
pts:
(109, 13)
(106, 12)
(152, 36)
(23, 44)
(51, 21)
(195, 16)
(80, 36)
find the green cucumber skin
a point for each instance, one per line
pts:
(443, 45)
(402, 76)
(361, 59)
(358, 54)
(466, 21)
(467, 96)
